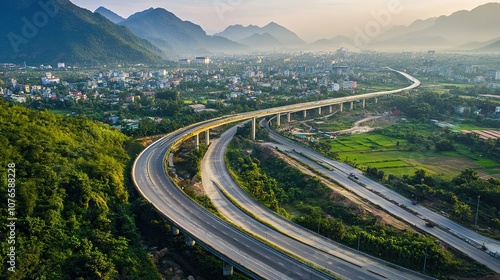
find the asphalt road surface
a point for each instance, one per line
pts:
(245, 251)
(459, 237)
(288, 236)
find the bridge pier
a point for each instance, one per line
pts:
(278, 119)
(254, 124)
(197, 141)
(352, 105)
(341, 107)
(227, 269)
(305, 114)
(376, 100)
(319, 111)
(189, 241)
(174, 230)
(289, 117)
(207, 137)
(364, 103)
(331, 109)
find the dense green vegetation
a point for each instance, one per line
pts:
(306, 201)
(74, 218)
(79, 216)
(458, 197)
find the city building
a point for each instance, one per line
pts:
(305, 70)
(49, 79)
(471, 69)
(185, 61)
(202, 60)
(340, 70)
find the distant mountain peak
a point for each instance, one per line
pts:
(447, 31)
(272, 23)
(82, 37)
(153, 12)
(275, 33)
(107, 13)
(174, 35)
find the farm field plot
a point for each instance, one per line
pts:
(363, 142)
(384, 153)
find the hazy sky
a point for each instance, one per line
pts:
(310, 19)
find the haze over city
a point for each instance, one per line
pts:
(311, 20)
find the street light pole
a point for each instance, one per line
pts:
(477, 211)
(359, 239)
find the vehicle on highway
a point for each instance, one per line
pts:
(429, 223)
(353, 176)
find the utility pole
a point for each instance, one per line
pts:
(425, 258)
(477, 211)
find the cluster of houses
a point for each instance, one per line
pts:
(467, 74)
(234, 78)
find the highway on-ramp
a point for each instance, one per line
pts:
(247, 253)
(288, 236)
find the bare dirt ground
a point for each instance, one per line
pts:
(370, 123)
(358, 128)
(146, 141)
(197, 186)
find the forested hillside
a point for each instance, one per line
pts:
(73, 216)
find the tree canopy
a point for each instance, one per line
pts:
(74, 218)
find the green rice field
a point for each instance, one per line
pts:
(384, 153)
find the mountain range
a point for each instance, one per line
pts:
(476, 29)
(50, 31)
(58, 31)
(175, 36)
(271, 35)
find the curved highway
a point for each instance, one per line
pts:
(233, 246)
(459, 237)
(289, 236)
(245, 252)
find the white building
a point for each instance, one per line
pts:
(471, 69)
(334, 87)
(49, 79)
(202, 60)
(479, 79)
